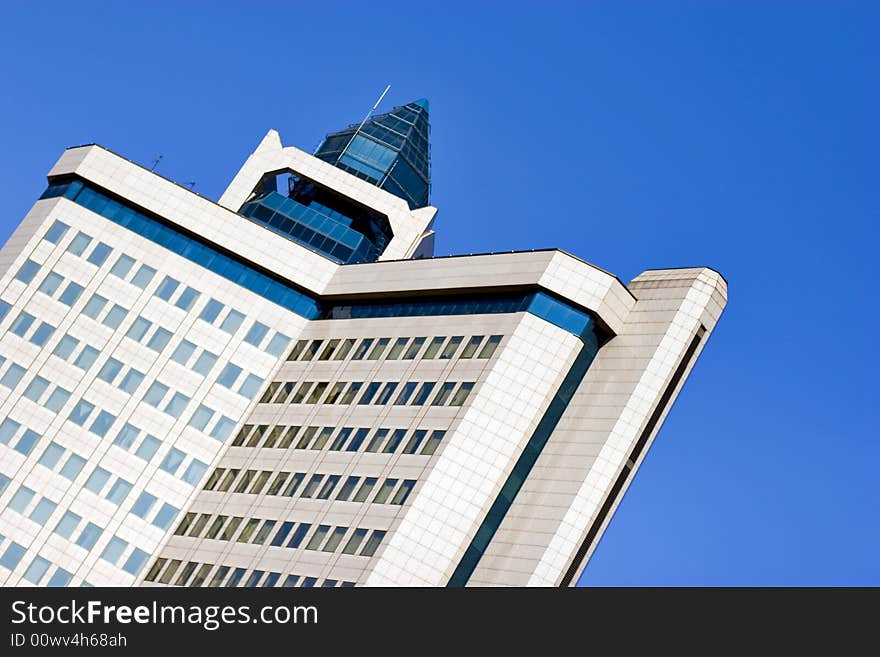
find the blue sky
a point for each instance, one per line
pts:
(737, 135)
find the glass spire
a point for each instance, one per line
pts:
(390, 150)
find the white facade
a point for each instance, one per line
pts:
(138, 490)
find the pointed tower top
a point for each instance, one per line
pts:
(388, 150)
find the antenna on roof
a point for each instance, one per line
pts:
(366, 118)
(156, 162)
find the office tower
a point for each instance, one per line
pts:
(285, 388)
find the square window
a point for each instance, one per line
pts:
(94, 306)
(155, 394)
(135, 562)
(13, 375)
(27, 442)
(122, 266)
(131, 381)
(172, 460)
(139, 329)
(126, 436)
(187, 299)
(102, 423)
(56, 232)
(44, 509)
(114, 550)
(166, 288)
(223, 428)
(21, 499)
(176, 404)
(42, 334)
(97, 480)
(36, 389)
(204, 362)
(81, 412)
(250, 386)
(232, 321)
(73, 466)
(27, 271)
(57, 399)
(201, 417)
(277, 344)
(256, 334)
(79, 243)
(165, 516)
(51, 455)
(159, 340)
(67, 524)
(211, 311)
(194, 472)
(99, 254)
(60, 578)
(110, 371)
(8, 429)
(143, 276)
(228, 376)
(184, 352)
(148, 448)
(71, 293)
(66, 347)
(21, 324)
(119, 491)
(86, 357)
(115, 316)
(143, 504)
(51, 283)
(12, 556)
(37, 570)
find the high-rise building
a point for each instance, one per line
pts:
(285, 388)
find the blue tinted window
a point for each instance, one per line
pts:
(232, 321)
(204, 362)
(222, 429)
(81, 412)
(37, 570)
(114, 549)
(27, 271)
(51, 283)
(159, 340)
(79, 243)
(166, 288)
(43, 510)
(172, 460)
(176, 404)
(86, 357)
(94, 306)
(256, 334)
(36, 389)
(201, 417)
(12, 376)
(8, 429)
(65, 347)
(118, 491)
(102, 423)
(115, 316)
(27, 442)
(51, 455)
(135, 562)
(122, 266)
(211, 311)
(277, 344)
(194, 472)
(148, 448)
(250, 386)
(13, 554)
(139, 329)
(187, 298)
(229, 375)
(165, 516)
(56, 232)
(21, 324)
(60, 578)
(71, 293)
(42, 334)
(126, 436)
(110, 371)
(155, 394)
(143, 276)
(143, 504)
(183, 352)
(72, 466)
(21, 499)
(67, 524)
(97, 480)
(99, 254)
(131, 381)
(89, 536)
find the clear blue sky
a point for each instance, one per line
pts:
(739, 135)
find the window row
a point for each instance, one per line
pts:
(319, 486)
(27, 327)
(477, 346)
(9, 435)
(376, 393)
(195, 574)
(36, 571)
(257, 531)
(348, 439)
